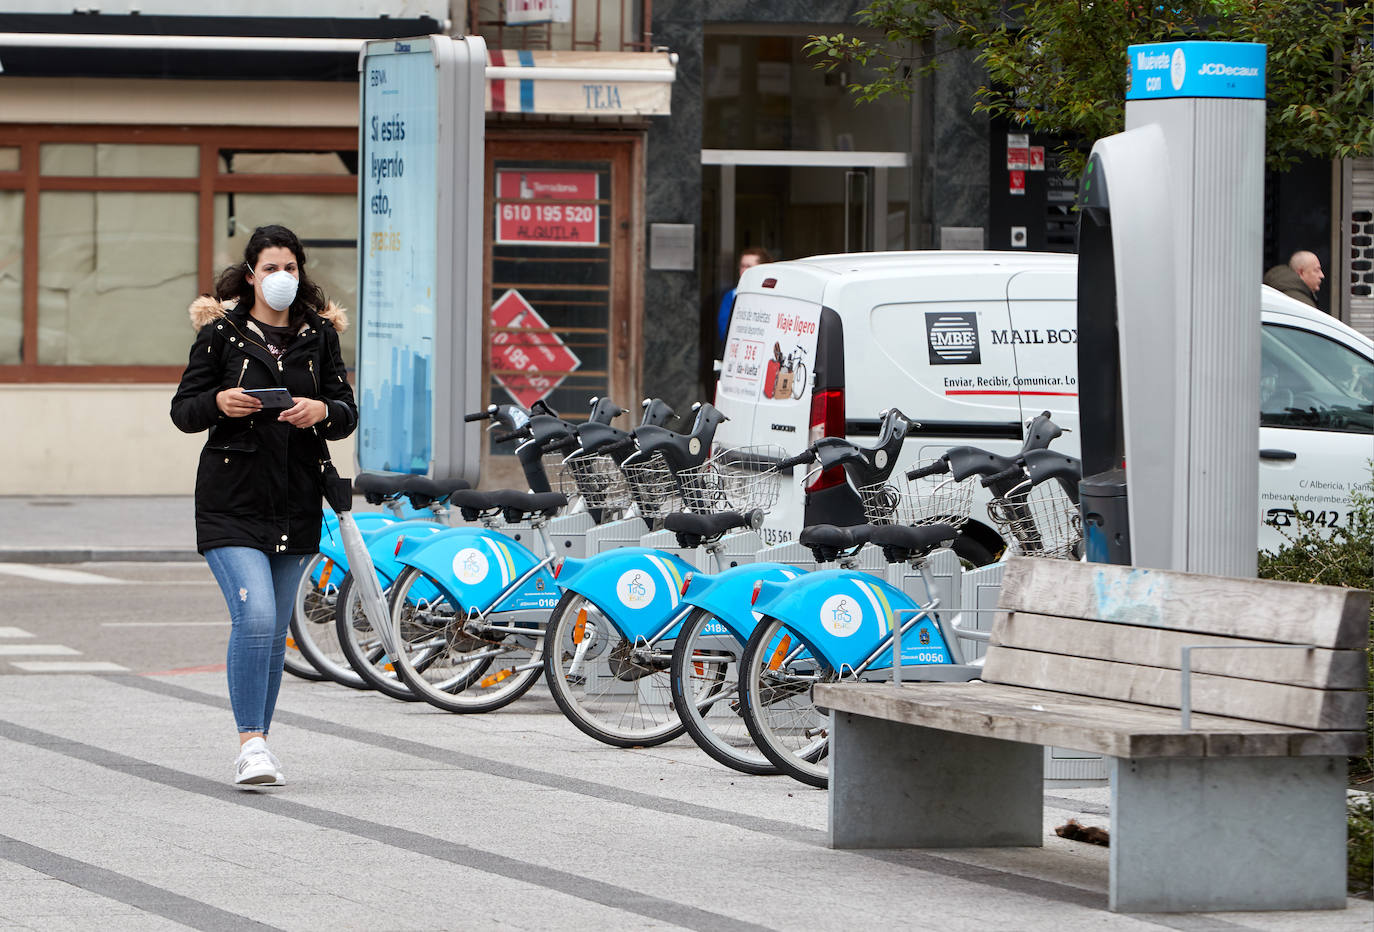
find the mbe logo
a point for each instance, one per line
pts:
(953, 339)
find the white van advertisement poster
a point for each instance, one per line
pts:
(770, 356)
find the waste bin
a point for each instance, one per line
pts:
(1106, 522)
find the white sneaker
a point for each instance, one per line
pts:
(281, 780)
(254, 766)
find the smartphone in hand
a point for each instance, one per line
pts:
(271, 397)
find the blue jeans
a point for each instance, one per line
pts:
(260, 591)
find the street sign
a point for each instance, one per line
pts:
(528, 359)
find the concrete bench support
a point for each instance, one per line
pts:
(894, 785)
(1239, 833)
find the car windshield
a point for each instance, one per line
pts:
(1309, 381)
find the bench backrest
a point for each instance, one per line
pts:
(1117, 632)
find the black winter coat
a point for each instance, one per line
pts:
(258, 484)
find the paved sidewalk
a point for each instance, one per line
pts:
(117, 814)
(86, 528)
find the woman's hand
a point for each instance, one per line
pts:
(306, 412)
(235, 402)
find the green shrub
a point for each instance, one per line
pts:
(1341, 556)
(1359, 842)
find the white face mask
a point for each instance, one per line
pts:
(279, 289)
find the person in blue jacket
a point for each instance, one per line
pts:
(754, 255)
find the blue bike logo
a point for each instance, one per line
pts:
(840, 618)
(636, 589)
(470, 566)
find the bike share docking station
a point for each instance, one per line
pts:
(1169, 248)
(1169, 244)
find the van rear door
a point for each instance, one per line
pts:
(1043, 309)
(765, 388)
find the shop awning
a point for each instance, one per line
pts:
(581, 83)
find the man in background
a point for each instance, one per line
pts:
(1300, 278)
(754, 255)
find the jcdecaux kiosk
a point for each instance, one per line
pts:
(420, 150)
(1169, 354)
(1168, 306)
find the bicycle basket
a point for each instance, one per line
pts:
(598, 480)
(937, 499)
(1042, 521)
(734, 479)
(652, 486)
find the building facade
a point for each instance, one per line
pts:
(134, 161)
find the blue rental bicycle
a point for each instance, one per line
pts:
(469, 611)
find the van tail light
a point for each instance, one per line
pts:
(827, 420)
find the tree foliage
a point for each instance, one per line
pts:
(1059, 66)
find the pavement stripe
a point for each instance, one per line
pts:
(491, 767)
(125, 889)
(477, 859)
(68, 666)
(914, 859)
(164, 624)
(48, 574)
(37, 650)
(14, 633)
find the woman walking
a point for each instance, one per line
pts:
(259, 483)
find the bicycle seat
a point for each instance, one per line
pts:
(423, 491)
(693, 530)
(827, 542)
(902, 543)
(521, 505)
(379, 487)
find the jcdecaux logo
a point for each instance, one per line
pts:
(1196, 69)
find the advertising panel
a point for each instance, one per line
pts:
(421, 138)
(532, 208)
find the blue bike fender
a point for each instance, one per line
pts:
(381, 545)
(843, 615)
(475, 566)
(638, 589)
(726, 595)
(331, 541)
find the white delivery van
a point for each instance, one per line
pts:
(971, 346)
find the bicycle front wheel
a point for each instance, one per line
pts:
(312, 627)
(775, 688)
(455, 662)
(615, 691)
(705, 681)
(362, 645)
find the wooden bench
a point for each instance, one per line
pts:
(1244, 809)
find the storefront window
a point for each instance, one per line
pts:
(118, 160)
(763, 92)
(327, 226)
(116, 270)
(11, 275)
(285, 163)
(134, 222)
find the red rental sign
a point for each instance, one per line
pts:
(528, 359)
(531, 208)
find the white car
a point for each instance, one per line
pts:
(973, 345)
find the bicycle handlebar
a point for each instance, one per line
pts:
(801, 459)
(939, 467)
(1003, 476)
(478, 416)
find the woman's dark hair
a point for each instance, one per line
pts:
(233, 281)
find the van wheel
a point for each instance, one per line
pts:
(971, 553)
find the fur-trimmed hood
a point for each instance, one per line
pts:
(206, 309)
